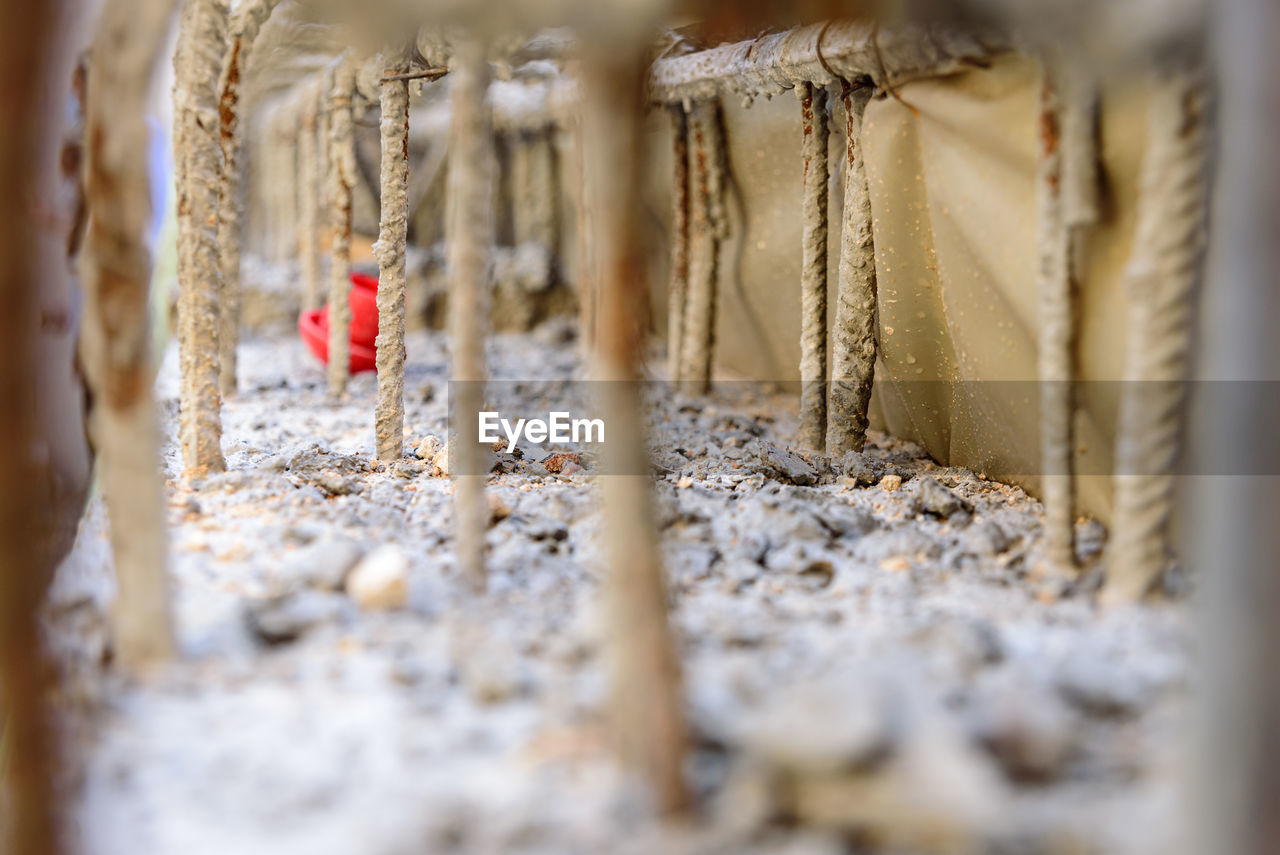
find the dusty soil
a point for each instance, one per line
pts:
(875, 660)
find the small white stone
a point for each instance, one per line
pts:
(428, 448)
(380, 582)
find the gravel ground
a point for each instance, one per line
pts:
(875, 658)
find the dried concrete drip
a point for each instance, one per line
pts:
(309, 184)
(393, 236)
(1163, 276)
(853, 351)
(115, 340)
(813, 268)
(342, 177)
(678, 287)
(707, 226)
(243, 31)
(818, 53)
(197, 64)
(1068, 188)
(469, 234)
(646, 708)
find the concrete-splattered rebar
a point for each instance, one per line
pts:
(469, 236)
(390, 250)
(706, 229)
(197, 65)
(1068, 207)
(813, 269)
(820, 53)
(115, 340)
(678, 287)
(1163, 277)
(1056, 332)
(243, 31)
(342, 177)
(853, 352)
(647, 704)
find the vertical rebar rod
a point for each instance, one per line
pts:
(116, 271)
(698, 329)
(197, 65)
(342, 176)
(28, 77)
(393, 239)
(853, 353)
(1056, 327)
(469, 236)
(647, 705)
(243, 32)
(1162, 279)
(1234, 787)
(678, 289)
(813, 269)
(1068, 188)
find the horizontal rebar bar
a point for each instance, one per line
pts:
(818, 54)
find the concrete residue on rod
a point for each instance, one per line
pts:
(707, 226)
(646, 703)
(1162, 278)
(817, 53)
(1068, 207)
(1055, 332)
(342, 177)
(469, 236)
(197, 65)
(390, 250)
(853, 351)
(115, 337)
(677, 291)
(813, 269)
(243, 31)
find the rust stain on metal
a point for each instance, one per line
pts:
(227, 113)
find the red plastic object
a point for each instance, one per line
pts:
(364, 309)
(313, 326)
